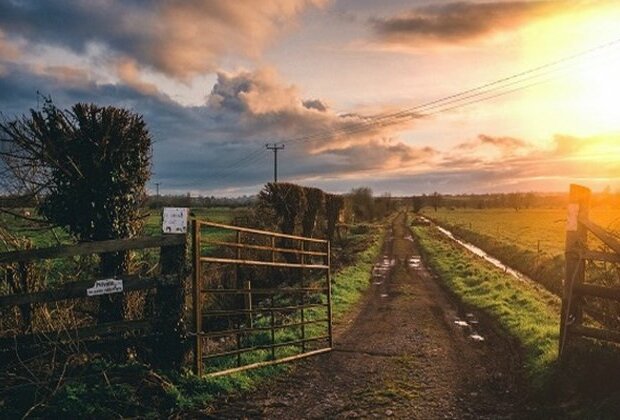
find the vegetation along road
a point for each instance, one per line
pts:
(405, 352)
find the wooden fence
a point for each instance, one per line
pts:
(299, 305)
(165, 328)
(577, 254)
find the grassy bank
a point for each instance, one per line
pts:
(584, 385)
(519, 308)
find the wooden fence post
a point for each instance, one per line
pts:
(576, 243)
(170, 350)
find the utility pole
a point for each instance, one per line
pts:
(275, 147)
(157, 194)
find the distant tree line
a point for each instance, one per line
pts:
(515, 201)
(187, 200)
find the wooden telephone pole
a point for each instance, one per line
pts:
(275, 147)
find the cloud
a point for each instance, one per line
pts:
(128, 72)
(315, 104)
(465, 21)
(505, 145)
(521, 165)
(220, 145)
(9, 51)
(178, 38)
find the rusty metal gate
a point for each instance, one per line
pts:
(259, 297)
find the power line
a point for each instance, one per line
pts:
(467, 97)
(408, 113)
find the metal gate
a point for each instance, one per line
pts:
(259, 297)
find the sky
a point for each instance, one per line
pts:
(406, 97)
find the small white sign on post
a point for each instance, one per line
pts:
(175, 220)
(105, 287)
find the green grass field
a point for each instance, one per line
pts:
(44, 237)
(527, 229)
(530, 241)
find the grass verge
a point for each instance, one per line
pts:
(518, 307)
(584, 385)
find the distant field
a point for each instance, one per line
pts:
(523, 228)
(223, 215)
(45, 237)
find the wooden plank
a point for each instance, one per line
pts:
(601, 256)
(289, 290)
(264, 248)
(75, 290)
(86, 248)
(597, 333)
(263, 263)
(269, 363)
(598, 291)
(608, 239)
(260, 232)
(83, 333)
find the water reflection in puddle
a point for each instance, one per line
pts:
(381, 269)
(415, 262)
(469, 327)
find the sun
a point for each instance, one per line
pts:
(581, 95)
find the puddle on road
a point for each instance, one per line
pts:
(469, 326)
(381, 269)
(415, 262)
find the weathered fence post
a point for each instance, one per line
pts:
(576, 242)
(171, 348)
(197, 297)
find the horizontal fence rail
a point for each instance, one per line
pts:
(241, 327)
(86, 248)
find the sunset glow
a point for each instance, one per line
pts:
(216, 81)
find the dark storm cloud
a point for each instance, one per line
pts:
(460, 22)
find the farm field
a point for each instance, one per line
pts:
(44, 237)
(527, 229)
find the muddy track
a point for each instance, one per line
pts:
(400, 354)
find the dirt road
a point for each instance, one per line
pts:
(408, 352)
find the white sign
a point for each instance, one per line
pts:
(175, 220)
(105, 287)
